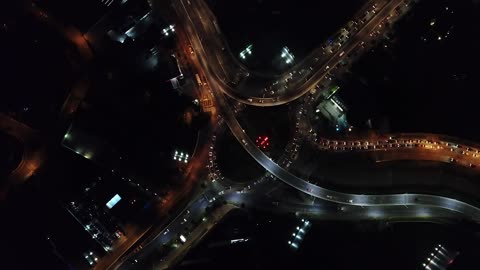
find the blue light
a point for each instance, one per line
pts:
(113, 201)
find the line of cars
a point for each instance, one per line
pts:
(214, 171)
(293, 145)
(391, 143)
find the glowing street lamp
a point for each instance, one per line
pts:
(180, 156)
(170, 28)
(287, 55)
(247, 51)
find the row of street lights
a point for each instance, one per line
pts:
(439, 259)
(299, 234)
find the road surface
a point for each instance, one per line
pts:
(203, 58)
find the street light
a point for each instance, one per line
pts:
(247, 51)
(180, 156)
(287, 55)
(170, 28)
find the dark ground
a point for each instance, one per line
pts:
(272, 24)
(327, 245)
(422, 86)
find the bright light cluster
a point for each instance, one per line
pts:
(180, 156)
(299, 234)
(287, 55)
(440, 258)
(246, 52)
(262, 142)
(170, 29)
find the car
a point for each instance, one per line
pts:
(182, 238)
(472, 165)
(166, 231)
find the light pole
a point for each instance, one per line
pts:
(287, 55)
(247, 51)
(180, 156)
(170, 28)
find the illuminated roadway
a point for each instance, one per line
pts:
(383, 201)
(313, 70)
(416, 146)
(33, 154)
(355, 205)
